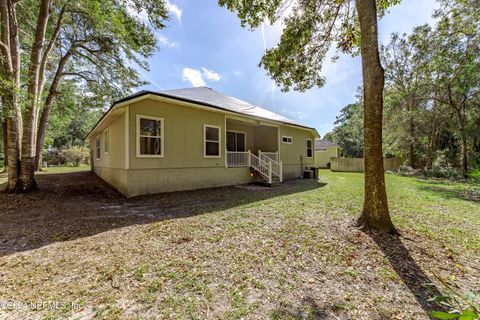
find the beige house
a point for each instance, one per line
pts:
(185, 139)
(324, 150)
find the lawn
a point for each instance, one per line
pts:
(59, 169)
(250, 252)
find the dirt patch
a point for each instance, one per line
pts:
(228, 253)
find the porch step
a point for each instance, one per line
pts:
(275, 179)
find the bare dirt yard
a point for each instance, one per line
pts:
(78, 249)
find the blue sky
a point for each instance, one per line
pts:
(204, 44)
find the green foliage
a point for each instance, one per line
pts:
(474, 174)
(75, 156)
(462, 305)
(348, 133)
(431, 96)
(310, 29)
(73, 116)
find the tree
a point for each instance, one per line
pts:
(348, 133)
(97, 36)
(406, 89)
(310, 27)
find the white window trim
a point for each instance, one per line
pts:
(288, 137)
(311, 148)
(106, 134)
(205, 141)
(162, 137)
(98, 147)
(244, 133)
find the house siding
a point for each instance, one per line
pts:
(183, 165)
(151, 181)
(116, 155)
(294, 156)
(183, 141)
(322, 158)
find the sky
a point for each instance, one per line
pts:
(204, 45)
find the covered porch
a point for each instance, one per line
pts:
(254, 145)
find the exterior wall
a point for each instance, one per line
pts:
(322, 158)
(357, 165)
(294, 156)
(262, 138)
(151, 181)
(118, 178)
(266, 139)
(183, 165)
(116, 155)
(183, 141)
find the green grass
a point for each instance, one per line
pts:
(50, 170)
(66, 169)
(446, 211)
(288, 252)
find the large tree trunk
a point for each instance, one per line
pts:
(10, 69)
(4, 143)
(27, 168)
(43, 124)
(463, 146)
(411, 138)
(375, 208)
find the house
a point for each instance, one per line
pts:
(185, 139)
(324, 150)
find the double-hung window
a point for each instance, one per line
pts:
(106, 141)
(97, 148)
(309, 148)
(150, 137)
(211, 144)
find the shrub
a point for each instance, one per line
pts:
(407, 171)
(74, 156)
(441, 168)
(461, 305)
(474, 174)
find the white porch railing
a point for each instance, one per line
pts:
(265, 156)
(267, 168)
(237, 159)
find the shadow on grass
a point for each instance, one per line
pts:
(449, 191)
(308, 310)
(407, 269)
(69, 206)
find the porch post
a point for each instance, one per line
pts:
(270, 171)
(249, 158)
(280, 170)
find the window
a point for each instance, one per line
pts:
(106, 141)
(97, 148)
(309, 148)
(211, 136)
(236, 141)
(287, 139)
(150, 142)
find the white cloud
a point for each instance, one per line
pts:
(167, 42)
(194, 76)
(197, 77)
(174, 9)
(210, 75)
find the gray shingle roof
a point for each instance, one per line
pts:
(210, 98)
(322, 143)
(214, 98)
